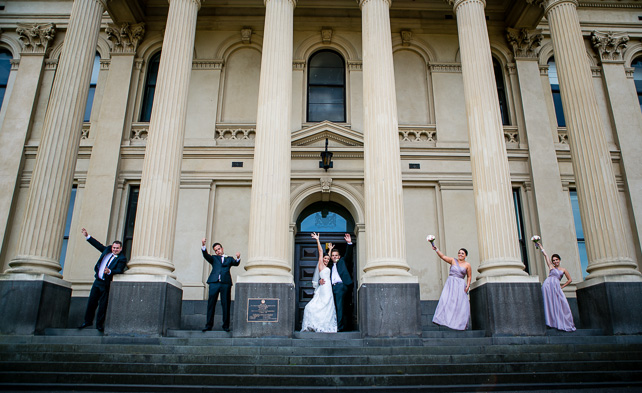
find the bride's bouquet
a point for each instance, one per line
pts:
(536, 239)
(431, 239)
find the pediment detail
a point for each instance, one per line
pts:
(338, 136)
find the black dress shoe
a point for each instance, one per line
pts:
(206, 329)
(84, 325)
(100, 329)
(227, 329)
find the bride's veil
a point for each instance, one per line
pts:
(315, 277)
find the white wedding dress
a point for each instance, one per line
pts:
(319, 314)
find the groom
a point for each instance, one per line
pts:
(341, 280)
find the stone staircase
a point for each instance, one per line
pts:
(440, 361)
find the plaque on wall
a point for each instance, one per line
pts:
(262, 310)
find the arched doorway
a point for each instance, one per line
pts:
(332, 221)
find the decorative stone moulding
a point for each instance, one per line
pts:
(246, 35)
(562, 136)
(207, 64)
(125, 38)
(35, 38)
(511, 136)
(406, 37)
(525, 42)
(417, 135)
(326, 35)
(235, 134)
(139, 132)
(609, 46)
(445, 67)
(84, 133)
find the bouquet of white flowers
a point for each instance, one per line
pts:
(536, 239)
(431, 239)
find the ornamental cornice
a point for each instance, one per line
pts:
(298, 65)
(602, 4)
(35, 38)
(125, 38)
(525, 42)
(445, 67)
(355, 65)
(609, 45)
(207, 64)
(364, 2)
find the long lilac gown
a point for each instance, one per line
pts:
(556, 310)
(453, 309)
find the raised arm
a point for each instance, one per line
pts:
(546, 258)
(446, 259)
(320, 265)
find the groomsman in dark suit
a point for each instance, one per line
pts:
(219, 281)
(341, 281)
(110, 262)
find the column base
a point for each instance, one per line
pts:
(389, 310)
(264, 310)
(143, 305)
(508, 308)
(30, 303)
(615, 307)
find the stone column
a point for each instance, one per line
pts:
(19, 115)
(269, 268)
(501, 270)
(33, 272)
(626, 117)
(389, 294)
(613, 284)
(147, 300)
(555, 217)
(102, 174)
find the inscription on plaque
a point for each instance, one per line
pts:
(263, 310)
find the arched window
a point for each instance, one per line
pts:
(325, 217)
(501, 91)
(5, 69)
(92, 88)
(555, 89)
(637, 78)
(150, 88)
(326, 87)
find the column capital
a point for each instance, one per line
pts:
(35, 38)
(609, 45)
(456, 3)
(525, 42)
(291, 1)
(125, 38)
(363, 2)
(548, 4)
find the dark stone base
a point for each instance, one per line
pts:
(283, 327)
(31, 306)
(514, 309)
(143, 308)
(614, 307)
(389, 310)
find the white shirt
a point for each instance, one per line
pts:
(105, 262)
(336, 278)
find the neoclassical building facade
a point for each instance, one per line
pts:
(482, 122)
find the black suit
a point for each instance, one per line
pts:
(220, 281)
(339, 290)
(99, 295)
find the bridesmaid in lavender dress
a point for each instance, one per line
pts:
(556, 309)
(453, 309)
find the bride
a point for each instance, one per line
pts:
(319, 314)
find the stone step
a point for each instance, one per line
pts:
(147, 367)
(213, 357)
(473, 378)
(539, 387)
